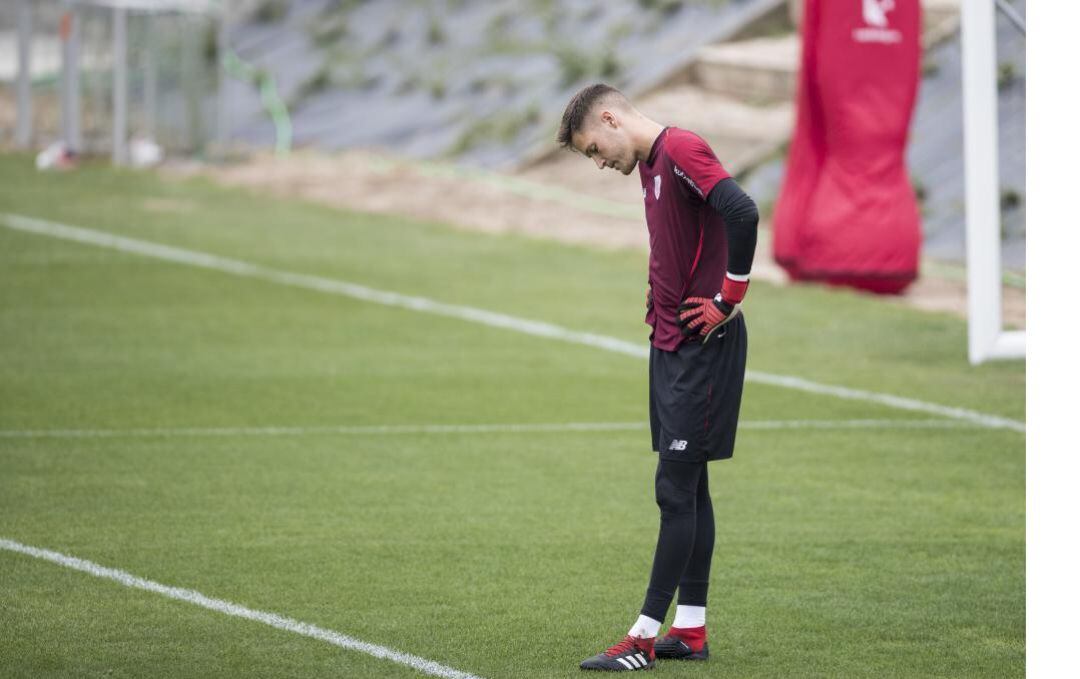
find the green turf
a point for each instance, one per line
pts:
(839, 553)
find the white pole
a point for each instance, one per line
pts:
(71, 106)
(981, 178)
(150, 88)
(190, 84)
(24, 122)
(120, 100)
(222, 109)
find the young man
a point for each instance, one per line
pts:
(702, 235)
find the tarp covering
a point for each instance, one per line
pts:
(847, 212)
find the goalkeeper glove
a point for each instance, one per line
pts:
(703, 316)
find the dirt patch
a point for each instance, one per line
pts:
(374, 183)
(566, 199)
(7, 111)
(950, 296)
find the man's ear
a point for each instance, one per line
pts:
(608, 118)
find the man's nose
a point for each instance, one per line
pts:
(599, 162)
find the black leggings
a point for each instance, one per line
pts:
(687, 533)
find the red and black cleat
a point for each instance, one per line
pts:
(686, 643)
(632, 653)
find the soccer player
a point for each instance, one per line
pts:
(702, 235)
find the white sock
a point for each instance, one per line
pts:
(689, 616)
(645, 627)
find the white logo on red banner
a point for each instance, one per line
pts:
(875, 14)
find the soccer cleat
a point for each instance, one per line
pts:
(683, 644)
(632, 653)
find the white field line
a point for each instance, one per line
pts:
(489, 318)
(236, 610)
(375, 430)
(858, 424)
(170, 432)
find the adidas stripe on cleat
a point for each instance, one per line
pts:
(632, 653)
(683, 644)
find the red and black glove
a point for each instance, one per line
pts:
(648, 298)
(703, 316)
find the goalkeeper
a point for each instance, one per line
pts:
(702, 235)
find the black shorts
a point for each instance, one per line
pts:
(694, 395)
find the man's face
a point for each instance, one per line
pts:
(604, 140)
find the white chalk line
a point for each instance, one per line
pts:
(236, 610)
(481, 316)
(376, 430)
(346, 430)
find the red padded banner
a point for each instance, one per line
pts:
(847, 212)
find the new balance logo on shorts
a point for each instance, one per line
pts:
(677, 445)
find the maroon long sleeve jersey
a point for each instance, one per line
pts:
(687, 239)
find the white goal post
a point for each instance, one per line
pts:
(986, 338)
(75, 95)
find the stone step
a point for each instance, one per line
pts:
(742, 134)
(941, 19)
(765, 70)
(935, 11)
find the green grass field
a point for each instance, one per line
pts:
(138, 401)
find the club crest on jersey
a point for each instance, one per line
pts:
(656, 187)
(677, 444)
